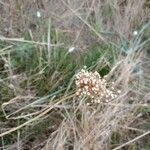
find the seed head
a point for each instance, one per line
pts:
(94, 86)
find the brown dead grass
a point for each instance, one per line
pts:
(73, 124)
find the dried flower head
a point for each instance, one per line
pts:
(94, 86)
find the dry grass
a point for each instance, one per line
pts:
(39, 107)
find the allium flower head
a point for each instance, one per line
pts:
(93, 85)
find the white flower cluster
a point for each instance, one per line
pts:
(93, 85)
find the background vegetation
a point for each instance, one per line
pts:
(43, 44)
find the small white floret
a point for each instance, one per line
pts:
(38, 14)
(135, 33)
(71, 49)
